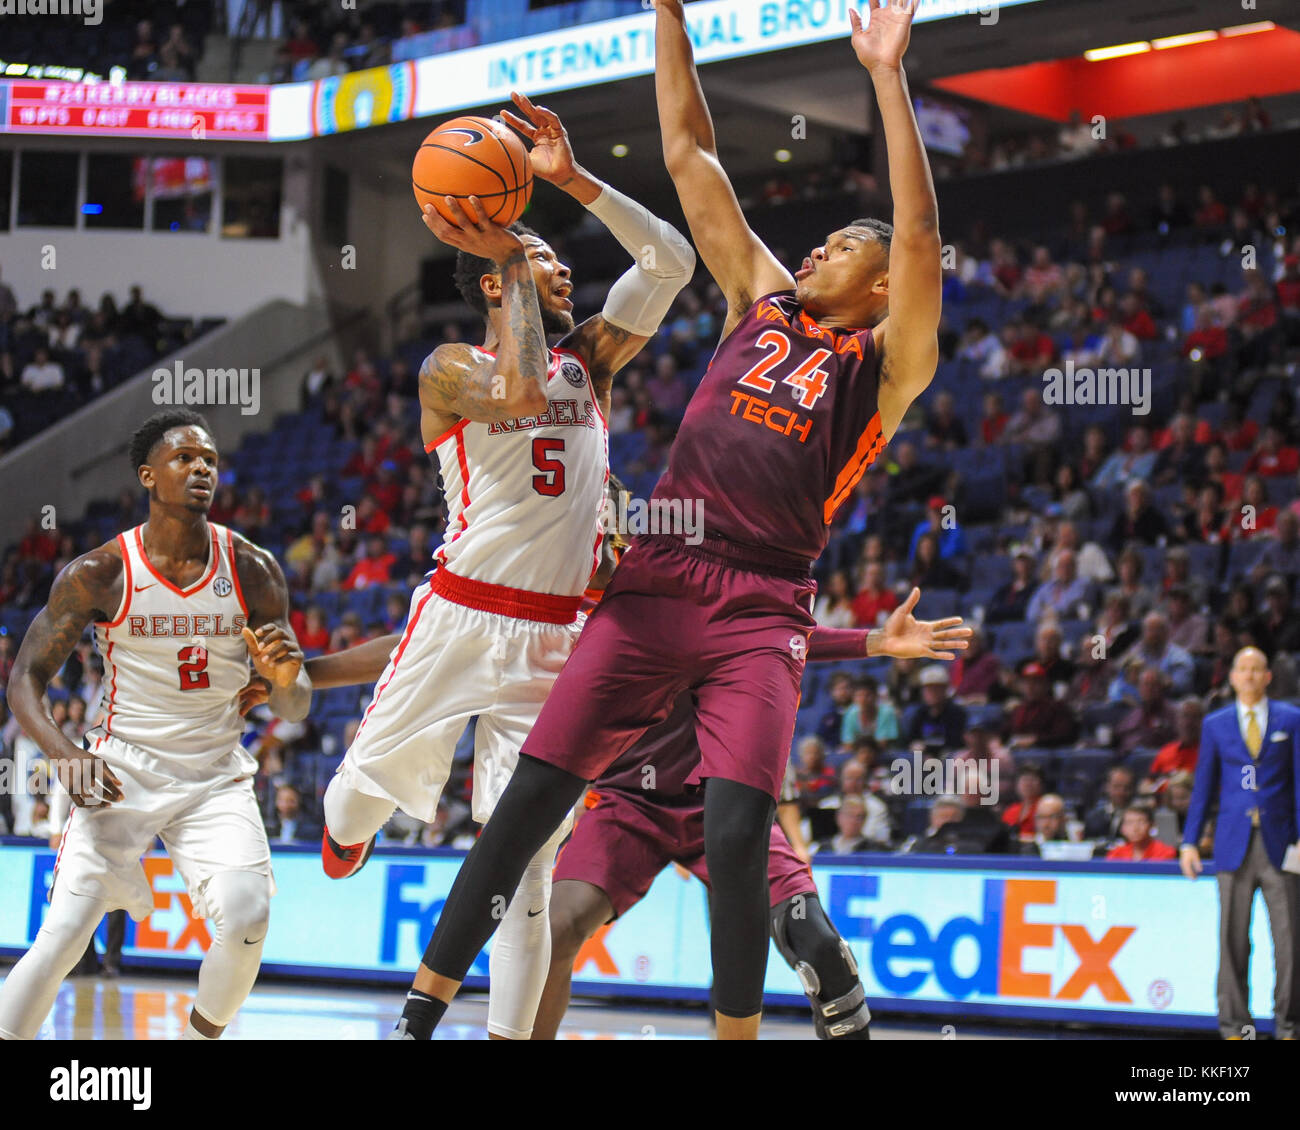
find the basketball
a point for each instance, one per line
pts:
(471, 156)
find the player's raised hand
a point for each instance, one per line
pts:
(906, 637)
(275, 654)
(551, 153)
(473, 231)
(256, 692)
(882, 42)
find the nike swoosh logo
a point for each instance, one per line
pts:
(535, 913)
(248, 943)
(141, 588)
(473, 135)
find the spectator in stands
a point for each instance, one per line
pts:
(1134, 462)
(983, 766)
(144, 52)
(1138, 845)
(1255, 515)
(1272, 457)
(1209, 522)
(1090, 558)
(1049, 654)
(1279, 625)
(831, 723)
(939, 521)
(875, 600)
(977, 672)
(929, 570)
(374, 568)
(1151, 723)
(1179, 754)
(1050, 825)
(253, 515)
(348, 634)
(1104, 819)
(944, 428)
(1011, 600)
(667, 389)
(289, 824)
(1095, 453)
(1188, 629)
(1170, 214)
(1155, 649)
(980, 346)
(169, 67)
(1281, 555)
(1075, 504)
(1020, 816)
(814, 779)
(1171, 815)
(1139, 521)
(937, 722)
(1064, 594)
(868, 714)
(1211, 214)
(834, 607)
(1257, 318)
(1034, 425)
(910, 480)
(139, 317)
(1040, 719)
(994, 421)
(334, 63)
(41, 374)
(1182, 459)
(861, 818)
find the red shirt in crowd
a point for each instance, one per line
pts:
(992, 427)
(1153, 851)
(1212, 342)
(867, 607)
(1141, 326)
(1174, 757)
(370, 571)
(1021, 817)
(1284, 461)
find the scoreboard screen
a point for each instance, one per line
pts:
(197, 111)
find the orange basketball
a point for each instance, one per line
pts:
(471, 156)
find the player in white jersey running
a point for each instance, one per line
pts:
(179, 606)
(520, 436)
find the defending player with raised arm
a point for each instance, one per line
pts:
(179, 607)
(813, 374)
(519, 435)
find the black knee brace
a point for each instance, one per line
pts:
(825, 966)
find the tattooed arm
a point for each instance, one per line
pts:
(462, 382)
(88, 589)
(271, 642)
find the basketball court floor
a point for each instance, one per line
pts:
(136, 1007)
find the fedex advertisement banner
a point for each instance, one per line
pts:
(956, 937)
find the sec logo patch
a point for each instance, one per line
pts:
(572, 372)
(222, 587)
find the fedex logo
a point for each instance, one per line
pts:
(904, 953)
(406, 905)
(171, 929)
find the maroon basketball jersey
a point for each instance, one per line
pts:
(780, 430)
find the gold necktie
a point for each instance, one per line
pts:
(1254, 742)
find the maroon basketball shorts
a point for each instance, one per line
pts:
(731, 623)
(625, 840)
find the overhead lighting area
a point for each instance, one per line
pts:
(1099, 54)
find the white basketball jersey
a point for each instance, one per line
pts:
(175, 659)
(524, 496)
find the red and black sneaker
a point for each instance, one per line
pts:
(341, 860)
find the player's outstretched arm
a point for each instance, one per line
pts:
(88, 589)
(272, 645)
(902, 637)
(664, 260)
(738, 260)
(459, 380)
(909, 336)
(353, 666)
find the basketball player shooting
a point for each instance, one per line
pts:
(811, 379)
(519, 434)
(179, 606)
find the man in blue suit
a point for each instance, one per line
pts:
(1250, 763)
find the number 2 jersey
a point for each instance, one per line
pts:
(524, 496)
(780, 431)
(174, 659)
